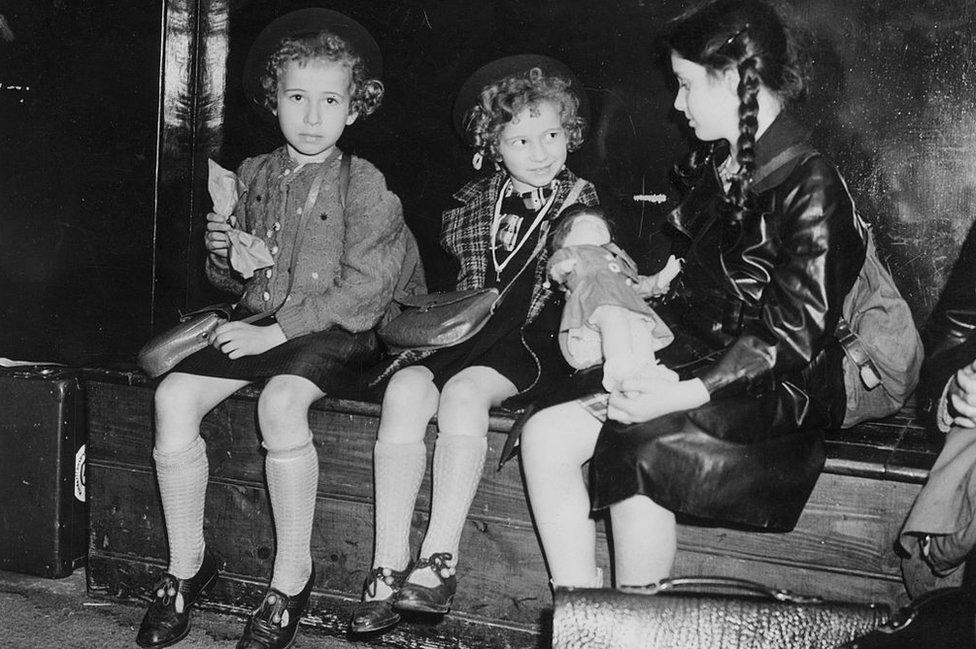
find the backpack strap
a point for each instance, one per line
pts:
(777, 163)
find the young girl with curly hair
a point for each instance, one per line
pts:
(523, 114)
(335, 270)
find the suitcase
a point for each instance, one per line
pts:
(706, 613)
(42, 445)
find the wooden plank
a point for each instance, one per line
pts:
(849, 523)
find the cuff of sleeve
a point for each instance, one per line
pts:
(291, 322)
(943, 418)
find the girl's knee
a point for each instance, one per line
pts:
(465, 392)
(555, 435)
(177, 397)
(284, 402)
(411, 387)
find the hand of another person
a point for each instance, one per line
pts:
(962, 397)
(237, 339)
(643, 398)
(216, 239)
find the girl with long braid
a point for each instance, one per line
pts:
(771, 246)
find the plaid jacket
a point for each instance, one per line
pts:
(466, 232)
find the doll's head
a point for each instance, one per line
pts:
(581, 225)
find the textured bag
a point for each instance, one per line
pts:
(163, 352)
(941, 618)
(883, 351)
(706, 613)
(439, 320)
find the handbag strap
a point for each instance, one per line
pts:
(571, 198)
(345, 173)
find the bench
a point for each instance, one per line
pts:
(842, 547)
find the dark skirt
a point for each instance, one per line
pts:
(335, 360)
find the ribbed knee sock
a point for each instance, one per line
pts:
(398, 470)
(293, 478)
(182, 477)
(458, 461)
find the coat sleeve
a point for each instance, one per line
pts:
(374, 248)
(821, 250)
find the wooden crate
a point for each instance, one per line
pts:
(842, 547)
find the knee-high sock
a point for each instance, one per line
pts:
(458, 461)
(293, 478)
(398, 470)
(182, 477)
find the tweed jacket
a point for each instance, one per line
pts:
(348, 261)
(466, 232)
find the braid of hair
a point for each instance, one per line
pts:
(749, 80)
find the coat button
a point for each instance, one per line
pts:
(315, 275)
(268, 273)
(274, 250)
(266, 296)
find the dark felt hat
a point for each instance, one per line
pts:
(306, 22)
(510, 66)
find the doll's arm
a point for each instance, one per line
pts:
(659, 283)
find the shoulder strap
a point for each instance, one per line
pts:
(780, 160)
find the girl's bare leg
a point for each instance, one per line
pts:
(644, 541)
(555, 443)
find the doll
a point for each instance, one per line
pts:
(605, 320)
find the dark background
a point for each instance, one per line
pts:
(109, 110)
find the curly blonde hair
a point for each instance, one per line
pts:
(502, 100)
(367, 93)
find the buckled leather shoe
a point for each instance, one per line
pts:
(378, 614)
(167, 620)
(274, 624)
(426, 599)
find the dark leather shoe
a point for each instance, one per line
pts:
(275, 622)
(425, 599)
(167, 621)
(378, 614)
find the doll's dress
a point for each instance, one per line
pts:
(602, 276)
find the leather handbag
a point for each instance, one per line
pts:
(706, 613)
(944, 618)
(163, 352)
(439, 320)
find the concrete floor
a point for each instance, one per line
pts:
(40, 613)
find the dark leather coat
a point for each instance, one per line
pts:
(754, 313)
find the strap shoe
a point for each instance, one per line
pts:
(167, 620)
(429, 599)
(374, 615)
(274, 623)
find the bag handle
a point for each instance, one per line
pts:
(695, 585)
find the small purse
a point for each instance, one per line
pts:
(706, 613)
(163, 352)
(438, 320)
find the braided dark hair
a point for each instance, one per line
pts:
(748, 36)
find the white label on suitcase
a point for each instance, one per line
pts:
(80, 474)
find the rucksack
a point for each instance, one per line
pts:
(882, 349)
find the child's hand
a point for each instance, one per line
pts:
(237, 339)
(216, 238)
(648, 397)
(659, 283)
